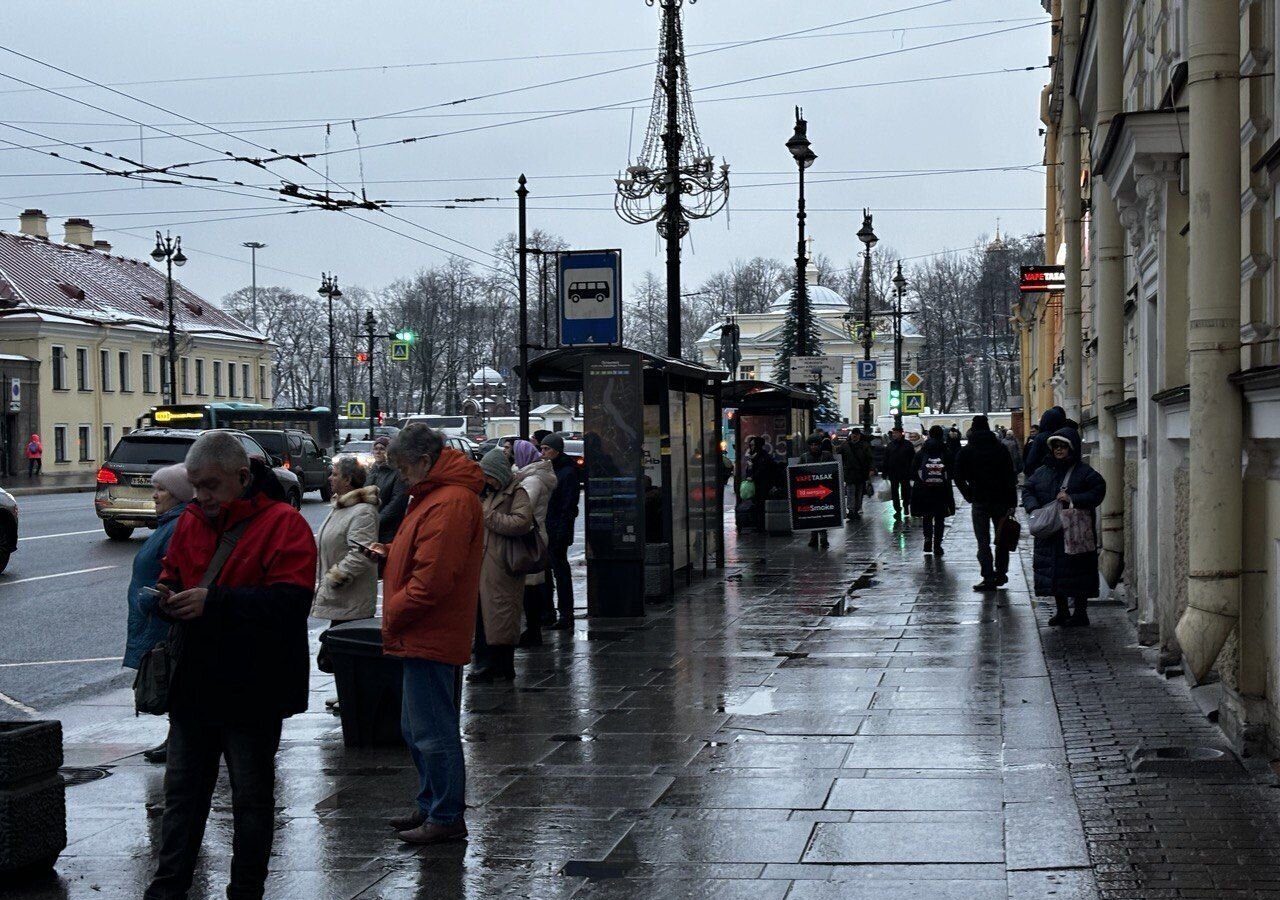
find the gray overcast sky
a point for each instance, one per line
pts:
(436, 52)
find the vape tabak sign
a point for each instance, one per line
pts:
(816, 494)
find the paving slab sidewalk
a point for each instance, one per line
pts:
(849, 723)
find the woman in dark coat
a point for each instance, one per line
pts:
(931, 495)
(1057, 574)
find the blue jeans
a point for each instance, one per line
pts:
(429, 722)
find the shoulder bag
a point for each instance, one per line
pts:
(1047, 520)
(526, 554)
(151, 686)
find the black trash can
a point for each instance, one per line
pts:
(33, 810)
(369, 684)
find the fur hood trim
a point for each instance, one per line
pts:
(367, 494)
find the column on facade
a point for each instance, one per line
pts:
(1213, 583)
(1069, 134)
(1108, 294)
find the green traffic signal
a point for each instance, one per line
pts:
(407, 336)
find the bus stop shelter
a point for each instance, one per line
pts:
(775, 413)
(653, 491)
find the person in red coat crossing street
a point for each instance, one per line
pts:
(244, 662)
(431, 588)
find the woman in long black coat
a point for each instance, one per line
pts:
(932, 497)
(1058, 574)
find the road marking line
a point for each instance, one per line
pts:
(41, 537)
(58, 575)
(58, 662)
(5, 698)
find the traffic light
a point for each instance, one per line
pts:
(895, 397)
(407, 336)
(361, 356)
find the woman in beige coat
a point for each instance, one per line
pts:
(539, 480)
(508, 513)
(346, 579)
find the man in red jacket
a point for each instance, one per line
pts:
(243, 665)
(430, 591)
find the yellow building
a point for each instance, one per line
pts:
(85, 333)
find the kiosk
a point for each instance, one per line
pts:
(652, 488)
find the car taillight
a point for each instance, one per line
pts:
(288, 463)
(107, 476)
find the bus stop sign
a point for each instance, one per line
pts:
(590, 297)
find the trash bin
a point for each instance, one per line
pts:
(33, 812)
(369, 684)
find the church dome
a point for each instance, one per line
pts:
(487, 376)
(819, 298)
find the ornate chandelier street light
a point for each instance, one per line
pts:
(674, 179)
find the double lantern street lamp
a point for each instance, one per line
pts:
(869, 240)
(169, 249)
(804, 156)
(329, 290)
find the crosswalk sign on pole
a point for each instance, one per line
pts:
(913, 402)
(356, 410)
(399, 351)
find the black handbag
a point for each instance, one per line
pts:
(526, 554)
(152, 685)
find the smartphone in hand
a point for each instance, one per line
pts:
(371, 551)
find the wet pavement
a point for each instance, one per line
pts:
(806, 724)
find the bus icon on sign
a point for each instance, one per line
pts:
(589, 290)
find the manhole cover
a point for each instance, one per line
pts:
(1183, 761)
(74, 775)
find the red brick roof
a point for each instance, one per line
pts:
(63, 281)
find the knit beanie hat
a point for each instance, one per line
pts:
(495, 465)
(174, 480)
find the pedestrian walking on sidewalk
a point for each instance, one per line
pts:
(899, 459)
(984, 474)
(1066, 480)
(1054, 417)
(562, 512)
(346, 577)
(855, 459)
(173, 491)
(932, 498)
(1015, 452)
(539, 479)
(430, 592)
(35, 456)
(243, 664)
(508, 514)
(816, 453)
(953, 443)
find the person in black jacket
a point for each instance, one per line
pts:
(931, 495)
(562, 512)
(953, 442)
(1054, 417)
(984, 473)
(855, 456)
(1066, 480)
(393, 493)
(899, 459)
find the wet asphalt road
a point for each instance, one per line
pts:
(63, 607)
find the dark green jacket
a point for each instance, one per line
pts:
(856, 458)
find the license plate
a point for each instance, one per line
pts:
(141, 481)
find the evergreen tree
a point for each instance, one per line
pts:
(791, 346)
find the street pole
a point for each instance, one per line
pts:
(170, 250)
(900, 282)
(671, 141)
(869, 240)
(522, 193)
(329, 290)
(802, 152)
(254, 247)
(370, 323)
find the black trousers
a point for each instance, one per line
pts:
(34, 466)
(189, 778)
(984, 520)
(934, 526)
(900, 491)
(562, 575)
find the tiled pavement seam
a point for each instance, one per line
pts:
(1148, 835)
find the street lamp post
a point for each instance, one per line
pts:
(522, 193)
(370, 323)
(329, 290)
(254, 247)
(170, 250)
(804, 156)
(900, 284)
(869, 240)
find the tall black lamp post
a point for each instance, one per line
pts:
(170, 250)
(329, 290)
(371, 323)
(869, 240)
(804, 156)
(900, 285)
(522, 194)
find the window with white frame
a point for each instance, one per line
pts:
(217, 378)
(59, 367)
(245, 384)
(104, 369)
(85, 441)
(231, 380)
(148, 373)
(108, 440)
(83, 381)
(126, 380)
(199, 377)
(60, 443)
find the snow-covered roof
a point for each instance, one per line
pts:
(819, 298)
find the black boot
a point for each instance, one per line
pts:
(822, 541)
(938, 531)
(505, 663)
(157, 754)
(813, 539)
(1080, 618)
(1063, 614)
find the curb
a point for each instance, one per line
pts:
(52, 489)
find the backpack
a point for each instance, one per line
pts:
(33, 447)
(933, 471)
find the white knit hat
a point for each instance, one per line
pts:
(174, 480)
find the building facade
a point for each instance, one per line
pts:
(1162, 155)
(86, 334)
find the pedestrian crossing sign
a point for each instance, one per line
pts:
(913, 402)
(399, 351)
(356, 410)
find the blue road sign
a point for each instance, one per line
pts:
(866, 369)
(590, 297)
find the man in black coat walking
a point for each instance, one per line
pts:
(985, 476)
(899, 460)
(562, 512)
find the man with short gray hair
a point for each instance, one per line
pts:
(237, 579)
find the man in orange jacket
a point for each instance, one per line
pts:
(430, 590)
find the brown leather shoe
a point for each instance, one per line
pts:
(407, 823)
(431, 833)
